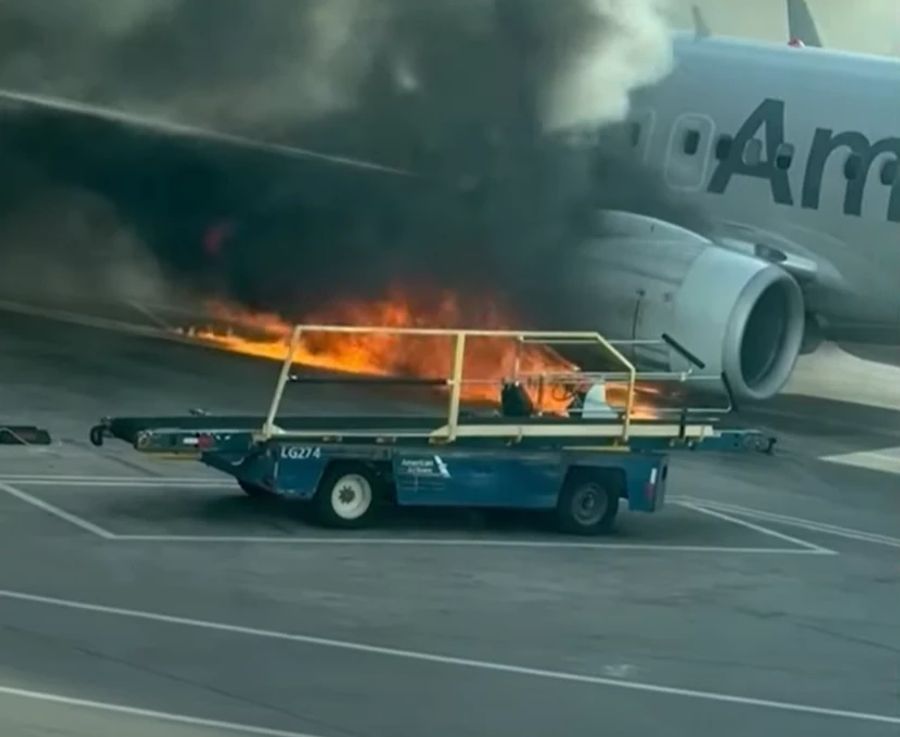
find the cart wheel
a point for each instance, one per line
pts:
(346, 496)
(587, 506)
(256, 491)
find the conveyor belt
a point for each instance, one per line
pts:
(516, 424)
(128, 428)
(205, 432)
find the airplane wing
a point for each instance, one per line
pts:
(21, 102)
(198, 200)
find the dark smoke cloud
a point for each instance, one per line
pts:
(472, 96)
(278, 62)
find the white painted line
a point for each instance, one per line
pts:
(421, 656)
(57, 512)
(894, 457)
(870, 459)
(353, 539)
(152, 316)
(91, 321)
(803, 548)
(164, 716)
(758, 528)
(62, 478)
(144, 484)
(805, 524)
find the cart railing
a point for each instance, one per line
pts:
(624, 374)
(680, 382)
(456, 379)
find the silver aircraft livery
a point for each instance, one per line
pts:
(792, 153)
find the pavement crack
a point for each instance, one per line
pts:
(849, 638)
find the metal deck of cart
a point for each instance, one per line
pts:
(580, 463)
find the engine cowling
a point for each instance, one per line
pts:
(740, 315)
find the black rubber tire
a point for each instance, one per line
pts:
(257, 492)
(587, 505)
(358, 476)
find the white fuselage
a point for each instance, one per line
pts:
(796, 148)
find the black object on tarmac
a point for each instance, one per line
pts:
(23, 435)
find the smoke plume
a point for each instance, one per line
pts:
(476, 99)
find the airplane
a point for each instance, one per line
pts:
(797, 168)
(789, 155)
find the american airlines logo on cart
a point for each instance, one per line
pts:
(442, 467)
(434, 466)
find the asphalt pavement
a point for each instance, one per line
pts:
(148, 597)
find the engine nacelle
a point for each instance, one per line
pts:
(740, 315)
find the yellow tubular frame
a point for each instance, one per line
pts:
(455, 380)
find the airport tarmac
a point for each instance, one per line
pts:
(149, 597)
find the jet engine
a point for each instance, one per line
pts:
(742, 316)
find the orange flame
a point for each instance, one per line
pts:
(488, 361)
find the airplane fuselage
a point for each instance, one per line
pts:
(797, 149)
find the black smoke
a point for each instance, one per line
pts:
(474, 98)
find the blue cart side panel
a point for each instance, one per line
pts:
(451, 476)
(487, 478)
(286, 469)
(519, 478)
(298, 468)
(645, 481)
